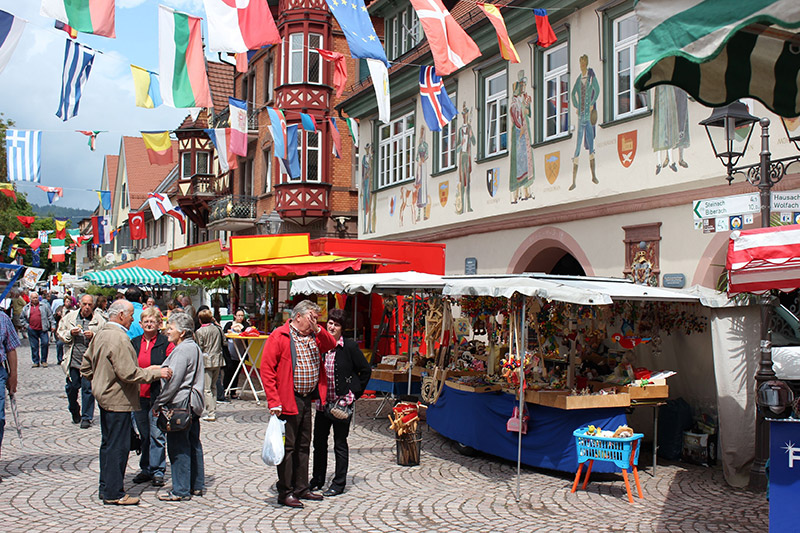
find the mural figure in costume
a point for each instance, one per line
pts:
(521, 176)
(421, 178)
(367, 196)
(464, 141)
(585, 93)
(670, 126)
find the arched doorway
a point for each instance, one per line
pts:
(551, 251)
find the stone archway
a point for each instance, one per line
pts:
(550, 250)
(712, 263)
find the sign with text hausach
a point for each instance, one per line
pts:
(785, 201)
(726, 206)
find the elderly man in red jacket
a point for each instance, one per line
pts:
(293, 373)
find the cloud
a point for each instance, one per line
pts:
(129, 4)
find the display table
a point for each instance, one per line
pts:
(248, 350)
(393, 389)
(479, 420)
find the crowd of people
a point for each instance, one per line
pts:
(141, 367)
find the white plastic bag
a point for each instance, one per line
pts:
(272, 450)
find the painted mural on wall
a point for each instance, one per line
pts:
(585, 93)
(670, 126)
(406, 203)
(552, 166)
(422, 199)
(521, 169)
(444, 192)
(367, 194)
(492, 181)
(465, 141)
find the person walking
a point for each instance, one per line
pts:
(110, 364)
(37, 318)
(17, 304)
(76, 331)
(293, 376)
(134, 295)
(184, 447)
(9, 342)
(152, 348)
(235, 346)
(348, 373)
(209, 339)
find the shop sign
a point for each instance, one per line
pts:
(726, 206)
(784, 474)
(673, 281)
(470, 266)
(785, 201)
(709, 225)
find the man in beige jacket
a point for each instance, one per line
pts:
(110, 363)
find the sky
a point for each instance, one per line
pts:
(31, 83)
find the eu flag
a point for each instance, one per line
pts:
(353, 18)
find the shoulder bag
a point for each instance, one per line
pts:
(176, 418)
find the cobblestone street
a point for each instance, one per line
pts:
(49, 483)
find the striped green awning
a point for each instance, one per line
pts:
(122, 277)
(719, 51)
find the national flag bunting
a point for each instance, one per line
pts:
(159, 204)
(53, 193)
(307, 123)
(87, 16)
(278, 129)
(352, 125)
(222, 139)
(11, 28)
(353, 19)
(36, 258)
(33, 242)
(74, 234)
(78, 61)
(137, 226)
(61, 227)
(544, 32)
(380, 82)
(245, 25)
(337, 139)
(291, 163)
(437, 107)
(105, 199)
(58, 250)
(450, 45)
(159, 147)
(26, 221)
(12, 235)
(340, 74)
(72, 32)
(238, 120)
(23, 155)
(507, 50)
(101, 229)
(242, 60)
(178, 215)
(8, 190)
(146, 89)
(92, 137)
(182, 67)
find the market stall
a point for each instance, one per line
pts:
(124, 277)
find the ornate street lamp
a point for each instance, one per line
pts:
(729, 129)
(269, 224)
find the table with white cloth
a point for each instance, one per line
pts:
(248, 351)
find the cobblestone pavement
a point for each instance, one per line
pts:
(49, 483)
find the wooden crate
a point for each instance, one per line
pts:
(636, 392)
(469, 388)
(563, 400)
(394, 376)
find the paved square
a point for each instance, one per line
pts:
(50, 484)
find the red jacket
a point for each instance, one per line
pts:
(276, 368)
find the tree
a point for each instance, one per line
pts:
(4, 125)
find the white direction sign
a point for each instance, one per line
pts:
(727, 206)
(785, 201)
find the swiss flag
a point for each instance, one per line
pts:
(137, 225)
(451, 47)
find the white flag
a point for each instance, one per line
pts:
(380, 80)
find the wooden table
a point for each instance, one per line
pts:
(248, 350)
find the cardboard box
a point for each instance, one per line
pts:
(469, 388)
(563, 400)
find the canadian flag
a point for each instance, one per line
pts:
(137, 225)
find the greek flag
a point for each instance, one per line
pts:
(77, 65)
(23, 155)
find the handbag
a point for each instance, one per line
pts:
(175, 418)
(338, 410)
(513, 423)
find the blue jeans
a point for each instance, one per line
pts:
(74, 384)
(40, 343)
(186, 458)
(59, 350)
(3, 380)
(585, 136)
(153, 461)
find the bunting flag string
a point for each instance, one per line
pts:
(8, 190)
(92, 137)
(78, 61)
(11, 29)
(507, 50)
(87, 16)
(26, 221)
(340, 73)
(53, 193)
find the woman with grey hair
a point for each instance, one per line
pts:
(183, 447)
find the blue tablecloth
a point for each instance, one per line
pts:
(395, 388)
(479, 420)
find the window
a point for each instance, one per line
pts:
(269, 81)
(124, 195)
(496, 113)
(296, 58)
(267, 171)
(246, 178)
(396, 151)
(314, 60)
(310, 165)
(186, 164)
(403, 32)
(555, 96)
(203, 163)
(627, 100)
(162, 230)
(446, 141)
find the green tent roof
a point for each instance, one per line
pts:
(131, 276)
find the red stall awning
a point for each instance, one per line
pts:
(763, 259)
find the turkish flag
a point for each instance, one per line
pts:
(138, 228)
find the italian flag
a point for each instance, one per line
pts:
(184, 82)
(58, 250)
(88, 16)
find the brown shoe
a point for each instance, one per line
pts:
(125, 500)
(291, 501)
(308, 495)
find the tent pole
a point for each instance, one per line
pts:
(573, 328)
(522, 344)
(411, 338)
(355, 316)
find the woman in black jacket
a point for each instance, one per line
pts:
(348, 374)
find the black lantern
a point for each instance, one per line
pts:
(793, 138)
(729, 129)
(269, 224)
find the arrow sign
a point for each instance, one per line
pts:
(726, 206)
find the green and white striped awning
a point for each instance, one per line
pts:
(719, 51)
(123, 277)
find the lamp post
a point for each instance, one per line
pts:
(729, 129)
